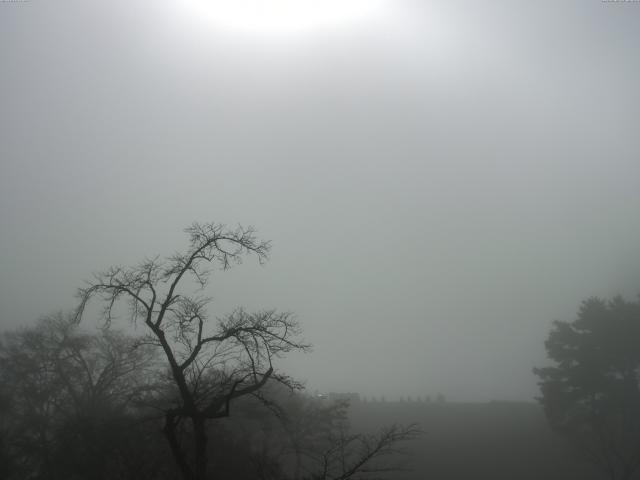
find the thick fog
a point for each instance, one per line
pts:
(440, 180)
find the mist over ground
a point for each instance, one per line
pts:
(440, 181)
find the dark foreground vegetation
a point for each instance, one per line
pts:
(196, 397)
(193, 397)
(75, 405)
(591, 394)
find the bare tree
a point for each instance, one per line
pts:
(313, 440)
(357, 455)
(324, 448)
(211, 362)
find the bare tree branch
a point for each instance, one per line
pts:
(211, 363)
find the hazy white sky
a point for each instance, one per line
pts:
(440, 180)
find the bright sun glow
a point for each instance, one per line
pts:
(284, 16)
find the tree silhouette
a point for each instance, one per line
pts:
(592, 394)
(211, 362)
(214, 364)
(65, 396)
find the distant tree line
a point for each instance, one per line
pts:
(439, 398)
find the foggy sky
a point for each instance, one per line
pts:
(439, 182)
